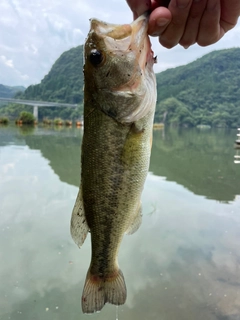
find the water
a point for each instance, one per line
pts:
(184, 261)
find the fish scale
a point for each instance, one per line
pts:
(118, 116)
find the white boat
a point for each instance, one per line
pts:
(238, 140)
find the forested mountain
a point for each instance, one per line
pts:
(204, 92)
(63, 83)
(9, 92)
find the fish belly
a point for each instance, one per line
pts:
(115, 161)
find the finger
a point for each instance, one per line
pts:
(210, 30)
(159, 3)
(138, 7)
(193, 22)
(158, 21)
(174, 31)
(230, 12)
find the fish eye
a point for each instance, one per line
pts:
(96, 57)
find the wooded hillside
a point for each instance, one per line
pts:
(9, 92)
(63, 83)
(204, 92)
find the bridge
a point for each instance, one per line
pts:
(37, 104)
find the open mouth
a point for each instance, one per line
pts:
(128, 37)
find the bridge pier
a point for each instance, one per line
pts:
(35, 111)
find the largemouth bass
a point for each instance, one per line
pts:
(119, 105)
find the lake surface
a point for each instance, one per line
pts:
(182, 264)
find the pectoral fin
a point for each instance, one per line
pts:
(79, 227)
(136, 222)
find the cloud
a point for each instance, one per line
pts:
(35, 33)
(9, 72)
(7, 62)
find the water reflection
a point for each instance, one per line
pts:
(237, 147)
(201, 161)
(183, 263)
(26, 130)
(237, 156)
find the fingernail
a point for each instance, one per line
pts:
(161, 22)
(186, 47)
(182, 3)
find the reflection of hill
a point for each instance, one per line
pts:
(200, 161)
(8, 136)
(63, 150)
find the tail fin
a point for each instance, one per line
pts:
(97, 291)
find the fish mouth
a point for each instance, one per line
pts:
(141, 41)
(119, 69)
(128, 37)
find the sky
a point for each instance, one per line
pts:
(34, 33)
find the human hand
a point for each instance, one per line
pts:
(188, 21)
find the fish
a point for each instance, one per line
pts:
(119, 106)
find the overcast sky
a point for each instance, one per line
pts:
(34, 33)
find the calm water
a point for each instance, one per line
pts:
(182, 264)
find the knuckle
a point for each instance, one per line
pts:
(208, 37)
(205, 41)
(167, 44)
(226, 25)
(187, 42)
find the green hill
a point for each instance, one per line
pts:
(206, 91)
(63, 83)
(9, 92)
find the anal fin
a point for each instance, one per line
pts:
(79, 227)
(136, 221)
